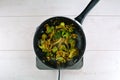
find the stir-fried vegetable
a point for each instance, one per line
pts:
(59, 42)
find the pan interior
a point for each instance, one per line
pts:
(81, 42)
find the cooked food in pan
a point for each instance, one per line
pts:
(58, 42)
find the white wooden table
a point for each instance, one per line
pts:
(18, 22)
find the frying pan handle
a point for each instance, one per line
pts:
(81, 17)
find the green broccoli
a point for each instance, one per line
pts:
(70, 29)
(61, 59)
(44, 36)
(54, 49)
(57, 35)
(63, 47)
(73, 53)
(62, 24)
(49, 29)
(72, 43)
(43, 48)
(66, 34)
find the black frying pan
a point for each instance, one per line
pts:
(81, 42)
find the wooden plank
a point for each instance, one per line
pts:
(98, 65)
(102, 33)
(56, 7)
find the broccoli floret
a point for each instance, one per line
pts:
(73, 53)
(63, 47)
(63, 32)
(62, 24)
(43, 48)
(72, 43)
(70, 29)
(49, 54)
(49, 29)
(54, 49)
(61, 59)
(44, 36)
(66, 34)
(57, 35)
